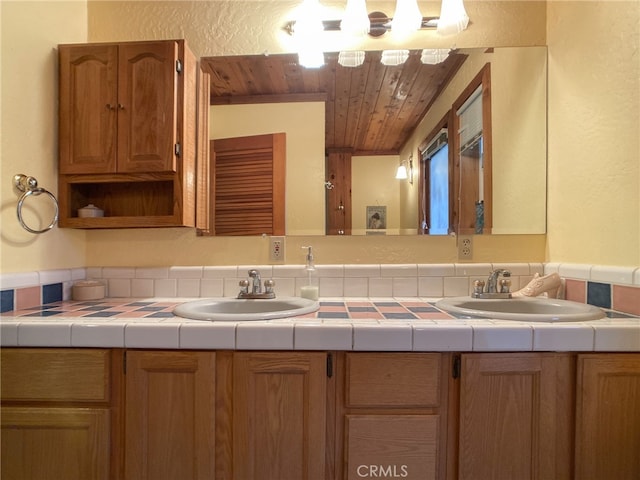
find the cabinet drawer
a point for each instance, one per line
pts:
(57, 375)
(393, 379)
(392, 446)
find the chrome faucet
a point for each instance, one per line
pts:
(256, 286)
(255, 282)
(493, 287)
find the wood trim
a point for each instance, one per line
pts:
(204, 180)
(274, 98)
(483, 78)
(338, 199)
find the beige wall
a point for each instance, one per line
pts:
(30, 33)
(303, 124)
(594, 132)
(373, 183)
(593, 206)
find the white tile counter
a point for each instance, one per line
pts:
(439, 332)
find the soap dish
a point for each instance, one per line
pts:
(88, 290)
(90, 211)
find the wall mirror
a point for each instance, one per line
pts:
(382, 115)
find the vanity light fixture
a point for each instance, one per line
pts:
(356, 19)
(392, 58)
(453, 17)
(310, 26)
(405, 170)
(433, 56)
(407, 18)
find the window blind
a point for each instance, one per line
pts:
(470, 115)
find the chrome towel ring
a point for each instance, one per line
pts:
(29, 185)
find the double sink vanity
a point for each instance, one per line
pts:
(342, 388)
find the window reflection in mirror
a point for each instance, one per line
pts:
(517, 202)
(472, 175)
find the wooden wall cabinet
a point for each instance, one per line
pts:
(392, 416)
(59, 409)
(127, 137)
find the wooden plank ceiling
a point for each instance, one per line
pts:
(370, 110)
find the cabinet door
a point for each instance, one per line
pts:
(55, 443)
(392, 446)
(170, 400)
(279, 416)
(88, 108)
(147, 108)
(515, 416)
(608, 417)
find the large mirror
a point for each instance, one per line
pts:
(382, 116)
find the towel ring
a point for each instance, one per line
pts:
(29, 185)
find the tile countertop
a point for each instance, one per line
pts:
(362, 324)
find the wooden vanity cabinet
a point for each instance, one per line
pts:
(516, 416)
(170, 415)
(272, 416)
(608, 416)
(59, 409)
(127, 134)
(391, 416)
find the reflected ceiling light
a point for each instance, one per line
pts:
(351, 58)
(307, 28)
(311, 57)
(453, 17)
(356, 18)
(433, 56)
(407, 17)
(392, 58)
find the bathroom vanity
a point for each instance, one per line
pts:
(108, 413)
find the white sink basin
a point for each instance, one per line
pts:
(234, 309)
(536, 309)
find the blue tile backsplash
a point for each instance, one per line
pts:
(6, 300)
(599, 294)
(52, 293)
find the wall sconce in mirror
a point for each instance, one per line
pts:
(405, 170)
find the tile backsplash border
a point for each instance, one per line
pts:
(617, 288)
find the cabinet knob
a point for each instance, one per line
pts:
(120, 106)
(110, 107)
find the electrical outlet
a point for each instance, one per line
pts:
(465, 247)
(276, 249)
